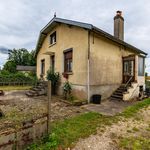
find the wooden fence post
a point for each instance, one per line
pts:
(49, 107)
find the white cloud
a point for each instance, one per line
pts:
(21, 20)
(3, 58)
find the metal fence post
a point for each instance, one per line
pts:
(49, 107)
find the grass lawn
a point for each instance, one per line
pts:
(9, 88)
(138, 143)
(66, 133)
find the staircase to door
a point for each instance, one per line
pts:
(118, 94)
(128, 77)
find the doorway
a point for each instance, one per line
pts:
(128, 69)
(53, 62)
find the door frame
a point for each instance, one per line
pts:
(128, 58)
(52, 62)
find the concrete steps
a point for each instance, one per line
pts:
(124, 93)
(38, 90)
(118, 94)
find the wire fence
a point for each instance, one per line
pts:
(17, 83)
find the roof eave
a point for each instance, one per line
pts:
(87, 26)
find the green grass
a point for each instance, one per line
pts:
(66, 133)
(132, 110)
(135, 143)
(10, 88)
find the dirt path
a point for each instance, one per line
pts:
(17, 107)
(109, 139)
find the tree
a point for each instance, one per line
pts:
(22, 57)
(10, 66)
(146, 74)
(19, 57)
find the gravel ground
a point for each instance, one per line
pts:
(17, 107)
(108, 139)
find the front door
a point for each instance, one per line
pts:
(128, 69)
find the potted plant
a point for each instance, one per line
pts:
(54, 77)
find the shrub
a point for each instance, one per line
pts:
(18, 77)
(54, 78)
(67, 90)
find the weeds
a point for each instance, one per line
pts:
(66, 133)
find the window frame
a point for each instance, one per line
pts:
(68, 60)
(52, 35)
(141, 73)
(43, 67)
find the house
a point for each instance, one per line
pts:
(26, 68)
(95, 61)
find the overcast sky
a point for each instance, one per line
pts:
(22, 20)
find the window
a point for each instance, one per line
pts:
(129, 67)
(141, 66)
(42, 66)
(53, 38)
(68, 61)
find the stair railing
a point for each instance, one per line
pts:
(128, 81)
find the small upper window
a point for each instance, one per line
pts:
(53, 38)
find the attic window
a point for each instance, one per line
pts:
(53, 38)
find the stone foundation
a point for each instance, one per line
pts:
(104, 90)
(80, 91)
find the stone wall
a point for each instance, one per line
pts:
(20, 138)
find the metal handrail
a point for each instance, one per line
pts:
(128, 81)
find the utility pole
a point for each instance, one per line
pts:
(49, 107)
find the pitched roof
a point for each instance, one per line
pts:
(55, 21)
(25, 68)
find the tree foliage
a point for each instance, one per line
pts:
(19, 57)
(10, 66)
(22, 57)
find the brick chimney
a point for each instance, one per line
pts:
(119, 25)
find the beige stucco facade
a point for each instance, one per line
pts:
(106, 67)
(105, 56)
(67, 37)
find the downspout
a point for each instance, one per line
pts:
(88, 68)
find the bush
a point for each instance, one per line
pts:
(54, 78)
(18, 77)
(67, 88)
(147, 84)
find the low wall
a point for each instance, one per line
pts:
(19, 139)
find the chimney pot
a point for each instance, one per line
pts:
(119, 13)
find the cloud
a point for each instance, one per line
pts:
(22, 20)
(3, 59)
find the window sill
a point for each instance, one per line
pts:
(52, 44)
(68, 73)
